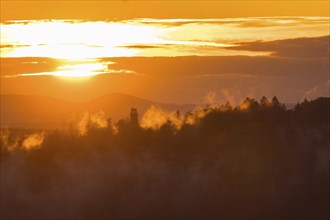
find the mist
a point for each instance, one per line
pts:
(254, 160)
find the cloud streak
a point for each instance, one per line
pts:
(299, 47)
(152, 37)
(72, 69)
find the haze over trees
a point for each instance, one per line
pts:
(258, 160)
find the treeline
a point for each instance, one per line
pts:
(255, 161)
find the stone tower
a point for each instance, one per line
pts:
(134, 116)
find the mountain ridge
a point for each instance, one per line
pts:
(46, 112)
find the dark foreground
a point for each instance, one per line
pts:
(261, 163)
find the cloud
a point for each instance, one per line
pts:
(72, 74)
(300, 47)
(144, 46)
(187, 79)
(12, 46)
(227, 66)
(238, 21)
(16, 67)
(152, 36)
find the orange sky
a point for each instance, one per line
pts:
(256, 52)
(99, 10)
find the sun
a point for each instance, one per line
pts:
(74, 70)
(77, 70)
(80, 70)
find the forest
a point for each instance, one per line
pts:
(258, 160)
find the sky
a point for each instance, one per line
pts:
(166, 51)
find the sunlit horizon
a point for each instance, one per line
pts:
(152, 58)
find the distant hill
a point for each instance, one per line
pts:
(118, 105)
(43, 112)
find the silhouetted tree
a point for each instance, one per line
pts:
(265, 103)
(275, 102)
(249, 104)
(227, 106)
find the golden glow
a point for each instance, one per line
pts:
(80, 70)
(86, 34)
(77, 70)
(75, 39)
